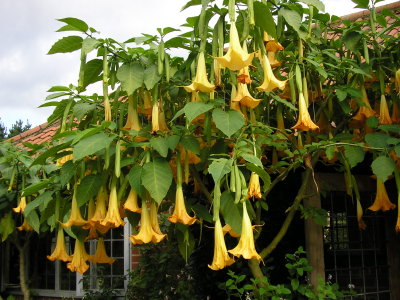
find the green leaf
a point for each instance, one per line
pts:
(189, 142)
(46, 196)
(316, 3)
(66, 44)
(228, 122)
(390, 128)
(6, 226)
(351, 39)
(353, 154)
(194, 109)
(291, 17)
(341, 94)
(131, 77)
(191, 3)
(36, 187)
(89, 44)
(161, 145)
(263, 18)
(91, 145)
(58, 88)
(373, 122)
(41, 159)
(220, 167)
(56, 95)
(92, 71)
(135, 180)
(157, 178)
(81, 109)
(262, 173)
(377, 139)
(383, 167)
(231, 212)
(151, 77)
(74, 25)
(284, 102)
(252, 159)
(173, 141)
(33, 220)
(361, 3)
(202, 212)
(88, 188)
(186, 242)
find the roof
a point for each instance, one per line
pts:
(44, 133)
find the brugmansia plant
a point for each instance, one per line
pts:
(266, 89)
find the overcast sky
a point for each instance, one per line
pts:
(28, 28)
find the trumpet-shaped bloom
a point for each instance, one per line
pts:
(155, 126)
(131, 202)
(221, 257)
(132, 121)
(384, 116)
(59, 251)
(360, 220)
(236, 58)
(228, 229)
(62, 160)
(246, 246)
(395, 113)
(21, 206)
(25, 226)
(304, 122)
(397, 81)
(254, 189)
(92, 228)
(107, 110)
(161, 121)
(79, 258)
(200, 82)
(75, 218)
(154, 218)
(365, 111)
(243, 96)
(113, 218)
(382, 201)
(180, 214)
(146, 232)
(101, 257)
(270, 82)
(100, 211)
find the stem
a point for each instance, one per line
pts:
(254, 266)
(201, 184)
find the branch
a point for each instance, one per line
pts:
(201, 184)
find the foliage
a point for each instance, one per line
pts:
(3, 131)
(18, 127)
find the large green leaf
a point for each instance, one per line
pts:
(194, 109)
(189, 142)
(6, 226)
(91, 145)
(36, 187)
(354, 155)
(81, 109)
(88, 188)
(252, 159)
(262, 173)
(383, 167)
(135, 180)
(67, 172)
(131, 77)
(228, 122)
(151, 77)
(92, 71)
(157, 178)
(291, 17)
(263, 18)
(45, 197)
(231, 212)
(66, 44)
(316, 3)
(89, 44)
(220, 167)
(73, 24)
(161, 145)
(33, 220)
(186, 242)
(377, 139)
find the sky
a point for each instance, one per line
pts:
(27, 29)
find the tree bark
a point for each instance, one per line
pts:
(22, 277)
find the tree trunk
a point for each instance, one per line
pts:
(22, 277)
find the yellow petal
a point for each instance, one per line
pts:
(59, 251)
(221, 257)
(200, 82)
(131, 202)
(101, 256)
(113, 218)
(180, 214)
(21, 206)
(254, 189)
(270, 82)
(304, 122)
(382, 201)
(384, 116)
(75, 218)
(79, 258)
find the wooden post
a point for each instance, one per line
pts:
(392, 247)
(314, 238)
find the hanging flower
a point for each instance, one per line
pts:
(270, 82)
(180, 215)
(107, 110)
(221, 257)
(154, 218)
(75, 218)
(113, 218)
(254, 189)
(228, 229)
(21, 206)
(243, 96)
(360, 220)
(100, 211)
(101, 257)
(272, 47)
(384, 116)
(200, 81)
(365, 111)
(236, 58)
(395, 113)
(79, 258)
(132, 121)
(304, 122)
(25, 226)
(146, 232)
(382, 201)
(155, 126)
(246, 246)
(92, 228)
(131, 202)
(59, 251)
(397, 81)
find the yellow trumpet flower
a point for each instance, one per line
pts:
(154, 218)
(384, 116)
(132, 121)
(243, 96)
(397, 81)
(254, 189)
(395, 113)
(59, 251)
(365, 111)
(154, 118)
(246, 246)
(79, 258)
(200, 81)
(25, 226)
(360, 220)
(146, 232)
(100, 211)
(21, 206)
(270, 82)
(382, 201)
(107, 110)
(131, 202)
(221, 257)
(236, 58)
(75, 218)
(180, 214)
(101, 257)
(65, 158)
(92, 228)
(304, 122)
(228, 229)
(113, 218)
